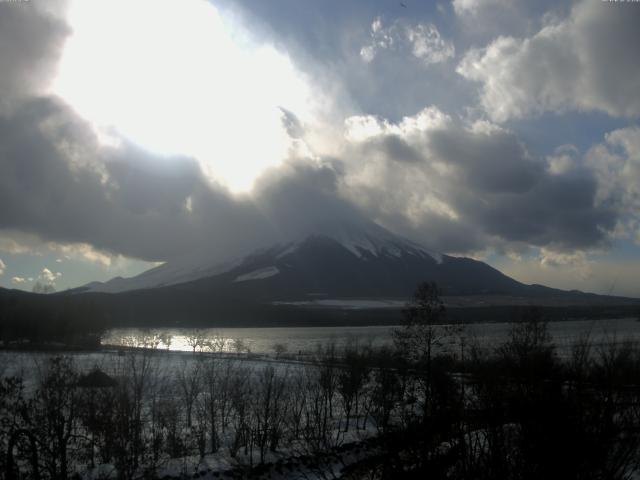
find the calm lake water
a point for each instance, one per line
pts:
(306, 339)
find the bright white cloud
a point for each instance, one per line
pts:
(368, 53)
(204, 90)
(573, 64)
(363, 127)
(9, 244)
(428, 45)
(616, 163)
(17, 243)
(2, 267)
(48, 276)
(576, 260)
(471, 7)
(423, 40)
(87, 253)
(45, 282)
(563, 159)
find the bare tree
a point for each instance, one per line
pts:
(269, 409)
(169, 420)
(421, 334)
(139, 377)
(14, 411)
(240, 391)
(190, 385)
(197, 339)
(327, 363)
(233, 378)
(351, 380)
(166, 339)
(279, 349)
(55, 416)
(216, 344)
(320, 432)
(296, 402)
(239, 345)
(211, 400)
(386, 392)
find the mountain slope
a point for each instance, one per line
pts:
(336, 262)
(185, 270)
(322, 267)
(364, 238)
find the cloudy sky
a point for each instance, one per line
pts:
(137, 131)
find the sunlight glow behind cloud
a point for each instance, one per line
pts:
(172, 76)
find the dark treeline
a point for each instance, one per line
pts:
(49, 319)
(79, 319)
(515, 411)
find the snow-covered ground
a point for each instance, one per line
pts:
(291, 460)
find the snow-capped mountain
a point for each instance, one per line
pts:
(355, 274)
(363, 241)
(339, 260)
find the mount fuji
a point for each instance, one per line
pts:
(344, 273)
(341, 260)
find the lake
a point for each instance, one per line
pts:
(305, 339)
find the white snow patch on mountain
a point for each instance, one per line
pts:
(376, 241)
(364, 240)
(259, 274)
(290, 249)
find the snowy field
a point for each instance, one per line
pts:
(168, 372)
(233, 371)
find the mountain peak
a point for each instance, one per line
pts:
(364, 240)
(368, 239)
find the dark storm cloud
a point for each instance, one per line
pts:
(151, 184)
(495, 162)
(31, 41)
(122, 200)
(58, 183)
(438, 232)
(393, 147)
(476, 188)
(453, 187)
(558, 212)
(300, 198)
